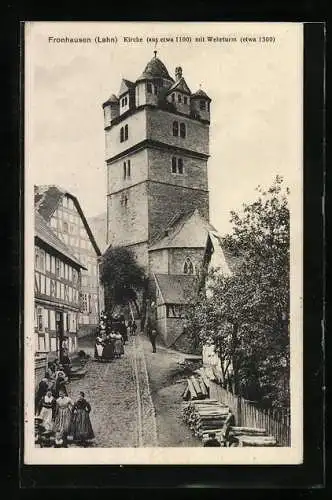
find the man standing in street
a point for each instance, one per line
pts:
(152, 334)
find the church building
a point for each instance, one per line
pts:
(157, 151)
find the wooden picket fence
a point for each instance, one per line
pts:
(247, 415)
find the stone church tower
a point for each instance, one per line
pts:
(157, 149)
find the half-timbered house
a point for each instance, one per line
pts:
(63, 214)
(57, 284)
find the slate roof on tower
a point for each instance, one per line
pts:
(47, 199)
(200, 94)
(181, 86)
(126, 86)
(187, 231)
(155, 69)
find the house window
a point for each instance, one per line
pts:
(85, 302)
(149, 87)
(175, 129)
(124, 170)
(202, 105)
(124, 101)
(174, 169)
(173, 97)
(57, 267)
(121, 134)
(128, 169)
(48, 262)
(126, 132)
(188, 267)
(40, 317)
(179, 98)
(185, 100)
(65, 227)
(53, 264)
(180, 166)
(183, 130)
(39, 259)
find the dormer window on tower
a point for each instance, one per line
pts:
(202, 105)
(124, 101)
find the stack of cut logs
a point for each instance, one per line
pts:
(250, 436)
(197, 388)
(204, 416)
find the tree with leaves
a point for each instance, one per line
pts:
(121, 277)
(246, 315)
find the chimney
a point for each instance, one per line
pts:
(178, 73)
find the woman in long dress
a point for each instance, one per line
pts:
(81, 428)
(47, 411)
(108, 352)
(118, 345)
(60, 383)
(62, 421)
(99, 347)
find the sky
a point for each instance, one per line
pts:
(256, 108)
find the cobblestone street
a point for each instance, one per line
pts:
(135, 400)
(122, 412)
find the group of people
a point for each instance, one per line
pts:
(112, 336)
(59, 418)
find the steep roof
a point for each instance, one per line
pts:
(125, 86)
(47, 199)
(219, 255)
(200, 94)
(175, 288)
(111, 100)
(188, 231)
(181, 86)
(45, 234)
(155, 69)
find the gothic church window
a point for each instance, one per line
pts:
(149, 87)
(173, 97)
(175, 129)
(121, 134)
(179, 98)
(180, 166)
(188, 267)
(185, 100)
(126, 132)
(183, 130)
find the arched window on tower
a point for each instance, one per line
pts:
(121, 134)
(183, 130)
(175, 129)
(188, 266)
(126, 132)
(174, 169)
